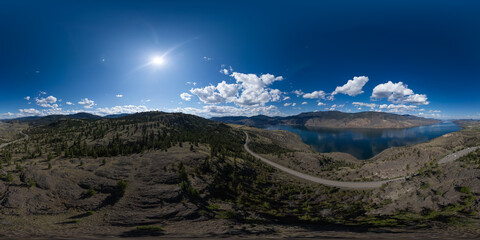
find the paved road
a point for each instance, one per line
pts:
(353, 185)
(456, 155)
(12, 142)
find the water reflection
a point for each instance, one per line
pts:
(366, 143)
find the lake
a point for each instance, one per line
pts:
(366, 143)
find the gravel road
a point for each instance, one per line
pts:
(352, 185)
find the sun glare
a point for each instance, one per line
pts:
(158, 61)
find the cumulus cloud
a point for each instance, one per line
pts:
(320, 104)
(287, 104)
(398, 108)
(352, 88)
(294, 104)
(362, 104)
(398, 93)
(48, 102)
(254, 89)
(315, 94)
(119, 95)
(27, 98)
(304, 103)
(218, 111)
(120, 109)
(69, 103)
(249, 90)
(335, 106)
(87, 103)
(286, 98)
(298, 92)
(185, 96)
(30, 111)
(222, 93)
(225, 70)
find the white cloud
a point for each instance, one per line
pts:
(352, 88)
(222, 93)
(286, 98)
(27, 98)
(42, 92)
(287, 104)
(434, 111)
(254, 89)
(398, 108)
(48, 102)
(249, 90)
(119, 95)
(69, 103)
(304, 103)
(225, 70)
(30, 112)
(185, 96)
(192, 83)
(120, 109)
(362, 104)
(87, 103)
(294, 104)
(398, 93)
(218, 111)
(315, 94)
(298, 92)
(205, 58)
(320, 104)
(335, 106)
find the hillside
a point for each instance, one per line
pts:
(160, 173)
(334, 119)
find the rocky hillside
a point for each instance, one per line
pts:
(161, 173)
(334, 119)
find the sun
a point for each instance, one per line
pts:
(158, 60)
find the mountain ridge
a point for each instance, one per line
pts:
(334, 119)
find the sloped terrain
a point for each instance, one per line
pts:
(161, 173)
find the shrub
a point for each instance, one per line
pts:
(122, 186)
(465, 190)
(229, 214)
(9, 177)
(31, 182)
(90, 192)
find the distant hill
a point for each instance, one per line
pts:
(334, 119)
(36, 120)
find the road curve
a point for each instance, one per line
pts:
(352, 185)
(12, 142)
(456, 155)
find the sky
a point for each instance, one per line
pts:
(224, 58)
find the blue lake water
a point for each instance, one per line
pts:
(366, 143)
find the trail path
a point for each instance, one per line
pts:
(456, 155)
(12, 142)
(353, 185)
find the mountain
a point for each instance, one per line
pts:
(37, 120)
(334, 119)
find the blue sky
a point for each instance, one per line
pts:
(216, 58)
